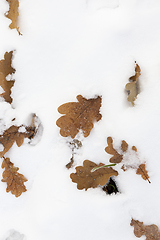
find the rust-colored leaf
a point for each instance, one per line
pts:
(132, 86)
(15, 181)
(150, 231)
(79, 115)
(87, 179)
(5, 70)
(13, 14)
(12, 135)
(143, 172)
(117, 158)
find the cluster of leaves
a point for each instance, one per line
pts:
(150, 231)
(80, 116)
(15, 181)
(14, 134)
(118, 158)
(13, 14)
(132, 86)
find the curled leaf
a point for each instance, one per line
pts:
(79, 115)
(15, 181)
(5, 70)
(132, 87)
(87, 179)
(13, 14)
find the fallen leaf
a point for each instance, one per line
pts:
(5, 70)
(117, 158)
(143, 172)
(15, 181)
(150, 231)
(79, 115)
(87, 179)
(13, 14)
(132, 87)
(12, 135)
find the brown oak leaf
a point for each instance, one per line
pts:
(132, 86)
(5, 69)
(143, 172)
(150, 231)
(15, 181)
(87, 179)
(117, 158)
(12, 135)
(79, 115)
(13, 14)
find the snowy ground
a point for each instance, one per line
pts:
(85, 47)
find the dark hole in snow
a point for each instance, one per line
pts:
(110, 187)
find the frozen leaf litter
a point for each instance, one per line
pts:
(90, 49)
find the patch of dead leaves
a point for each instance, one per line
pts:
(132, 86)
(79, 115)
(117, 158)
(87, 179)
(150, 231)
(5, 70)
(15, 181)
(13, 14)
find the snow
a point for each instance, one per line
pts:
(86, 47)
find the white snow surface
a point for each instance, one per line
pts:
(86, 47)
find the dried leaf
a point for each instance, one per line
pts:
(12, 135)
(143, 172)
(15, 181)
(150, 231)
(5, 69)
(79, 115)
(117, 158)
(87, 179)
(132, 86)
(13, 14)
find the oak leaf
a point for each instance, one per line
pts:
(132, 87)
(13, 14)
(150, 231)
(117, 158)
(79, 115)
(15, 181)
(143, 172)
(5, 70)
(12, 135)
(87, 179)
